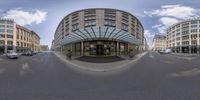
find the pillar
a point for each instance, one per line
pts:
(82, 48)
(5, 49)
(180, 49)
(117, 48)
(189, 49)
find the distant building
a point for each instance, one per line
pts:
(184, 37)
(52, 46)
(159, 42)
(145, 44)
(17, 38)
(44, 48)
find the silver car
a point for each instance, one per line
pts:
(12, 55)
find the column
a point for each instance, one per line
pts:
(180, 49)
(190, 49)
(175, 49)
(82, 48)
(117, 48)
(5, 49)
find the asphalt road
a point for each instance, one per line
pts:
(153, 77)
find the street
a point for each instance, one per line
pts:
(153, 77)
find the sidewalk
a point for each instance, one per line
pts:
(99, 67)
(186, 54)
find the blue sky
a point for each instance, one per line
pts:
(43, 16)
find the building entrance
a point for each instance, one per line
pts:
(100, 50)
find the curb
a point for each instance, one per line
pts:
(136, 58)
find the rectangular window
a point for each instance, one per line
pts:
(194, 36)
(2, 22)
(74, 27)
(109, 23)
(2, 42)
(10, 43)
(9, 36)
(124, 27)
(9, 22)
(2, 30)
(9, 31)
(90, 23)
(194, 30)
(2, 26)
(194, 22)
(2, 35)
(10, 27)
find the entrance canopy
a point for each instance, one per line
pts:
(97, 33)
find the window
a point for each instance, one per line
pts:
(2, 35)
(194, 30)
(9, 26)
(2, 26)
(109, 23)
(194, 22)
(9, 22)
(18, 44)
(10, 43)
(2, 42)
(2, 30)
(9, 36)
(90, 23)
(9, 31)
(124, 27)
(74, 27)
(185, 37)
(185, 32)
(194, 36)
(185, 43)
(194, 42)
(2, 22)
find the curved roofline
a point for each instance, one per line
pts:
(188, 20)
(98, 9)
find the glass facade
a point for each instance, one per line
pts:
(97, 48)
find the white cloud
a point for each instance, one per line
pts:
(149, 36)
(23, 17)
(177, 11)
(168, 21)
(156, 26)
(171, 14)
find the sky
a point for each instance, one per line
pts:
(43, 16)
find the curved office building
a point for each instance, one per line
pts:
(99, 32)
(184, 37)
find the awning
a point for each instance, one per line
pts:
(100, 33)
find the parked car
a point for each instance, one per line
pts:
(12, 55)
(168, 51)
(161, 51)
(28, 53)
(165, 51)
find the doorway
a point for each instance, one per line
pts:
(100, 50)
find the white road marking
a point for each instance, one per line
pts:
(25, 69)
